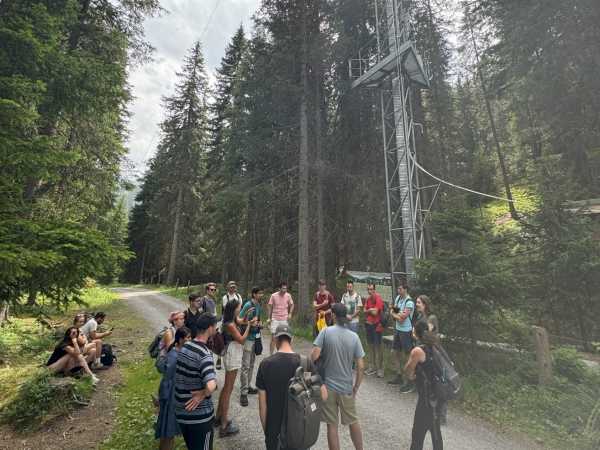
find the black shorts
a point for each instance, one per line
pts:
(403, 341)
(373, 337)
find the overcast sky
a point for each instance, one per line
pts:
(213, 22)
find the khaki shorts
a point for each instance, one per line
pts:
(346, 406)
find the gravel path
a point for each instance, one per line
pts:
(386, 415)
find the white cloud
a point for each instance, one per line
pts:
(172, 35)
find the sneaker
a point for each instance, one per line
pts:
(95, 380)
(397, 380)
(97, 366)
(380, 374)
(370, 371)
(219, 365)
(252, 391)
(407, 388)
(244, 400)
(229, 430)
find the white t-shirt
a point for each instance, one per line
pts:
(90, 325)
(352, 302)
(228, 297)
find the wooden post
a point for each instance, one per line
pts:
(542, 352)
(188, 287)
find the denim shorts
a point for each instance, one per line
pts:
(403, 341)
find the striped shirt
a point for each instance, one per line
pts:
(195, 368)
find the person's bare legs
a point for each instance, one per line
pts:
(333, 437)
(166, 443)
(90, 356)
(225, 397)
(356, 435)
(61, 365)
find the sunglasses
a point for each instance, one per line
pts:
(212, 289)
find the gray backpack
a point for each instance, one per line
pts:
(302, 413)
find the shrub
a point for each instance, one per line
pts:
(568, 364)
(43, 397)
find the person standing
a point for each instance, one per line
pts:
(340, 347)
(208, 303)
(195, 381)
(250, 311)
(425, 313)
(176, 321)
(402, 313)
(280, 309)
(166, 424)
(230, 295)
(354, 303)
(374, 329)
(322, 302)
(193, 313)
(420, 366)
(272, 381)
(234, 342)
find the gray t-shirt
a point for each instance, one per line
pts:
(339, 348)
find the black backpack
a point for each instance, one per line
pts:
(302, 414)
(446, 383)
(154, 347)
(386, 317)
(108, 357)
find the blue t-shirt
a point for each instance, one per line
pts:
(255, 332)
(339, 348)
(402, 304)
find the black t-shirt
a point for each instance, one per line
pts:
(273, 376)
(190, 318)
(59, 352)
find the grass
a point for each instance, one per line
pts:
(27, 397)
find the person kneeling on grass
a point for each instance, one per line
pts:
(90, 331)
(67, 357)
(166, 425)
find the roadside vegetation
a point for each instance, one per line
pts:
(29, 395)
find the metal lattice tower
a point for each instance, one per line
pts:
(390, 63)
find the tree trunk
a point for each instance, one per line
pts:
(175, 242)
(321, 251)
(4, 310)
(31, 298)
(488, 107)
(303, 224)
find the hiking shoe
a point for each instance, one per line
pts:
(229, 430)
(407, 388)
(370, 371)
(97, 366)
(397, 380)
(244, 400)
(252, 391)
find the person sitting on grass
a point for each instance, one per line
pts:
(166, 425)
(67, 357)
(90, 331)
(85, 346)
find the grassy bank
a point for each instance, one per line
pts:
(29, 396)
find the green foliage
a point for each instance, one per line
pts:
(567, 363)
(39, 400)
(463, 276)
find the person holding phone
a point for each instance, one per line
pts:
(252, 309)
(67, 357)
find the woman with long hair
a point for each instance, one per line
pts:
(424, 312)
(232, 362)
(176, 321)
(420, 366)
(67, 357)
(166, 425)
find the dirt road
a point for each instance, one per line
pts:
(386, 415)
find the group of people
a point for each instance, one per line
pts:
(189, 367)
(80, 350)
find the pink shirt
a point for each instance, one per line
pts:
(280, 304)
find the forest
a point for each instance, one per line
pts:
(278, 163)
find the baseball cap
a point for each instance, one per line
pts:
(283, 330)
